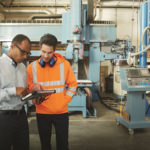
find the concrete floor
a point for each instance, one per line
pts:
(99, 133)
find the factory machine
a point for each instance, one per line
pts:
(82, 38)
(135, 80)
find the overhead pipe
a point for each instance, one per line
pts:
(35, 6)
(67, 6)
(38, 6)
(116, 6)
(27, 10)
(46, 17)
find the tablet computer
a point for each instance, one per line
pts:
(37, 94)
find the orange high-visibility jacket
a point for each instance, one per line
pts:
(57, 77)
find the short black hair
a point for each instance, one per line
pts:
(49, 40)
(19, 38)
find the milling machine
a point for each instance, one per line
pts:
(81, 39)
(135, 80)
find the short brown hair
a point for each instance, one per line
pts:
(49, 40)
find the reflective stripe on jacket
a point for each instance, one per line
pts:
(59, 77)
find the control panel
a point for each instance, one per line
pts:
(135, 79)
(138, 77)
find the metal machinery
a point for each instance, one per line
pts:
(136, 80)
(82, 37)
(119, 63)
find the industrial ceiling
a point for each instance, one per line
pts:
(62, 3)
(55, 7)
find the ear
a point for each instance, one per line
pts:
(12, 46)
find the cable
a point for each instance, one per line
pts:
(145, 47)
(109, 107)
(102, 102)
(139, 52)
(143, 34)
(95, 4)
(137, 30)
(132, 21)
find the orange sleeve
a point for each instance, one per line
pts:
(71, 82)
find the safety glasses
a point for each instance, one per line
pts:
(23, 51)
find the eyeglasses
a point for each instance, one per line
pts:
(23, 51)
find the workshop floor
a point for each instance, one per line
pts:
(99, 133)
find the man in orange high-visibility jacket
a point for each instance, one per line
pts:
(52, 71)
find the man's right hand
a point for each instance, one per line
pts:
(21, 91)
(37, 87)
(37, 101)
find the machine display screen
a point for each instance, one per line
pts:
(145, 73)
(134, 73)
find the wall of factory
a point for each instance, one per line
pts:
(127, 22)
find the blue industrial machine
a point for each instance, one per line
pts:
(135, 81)
(82, 37)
